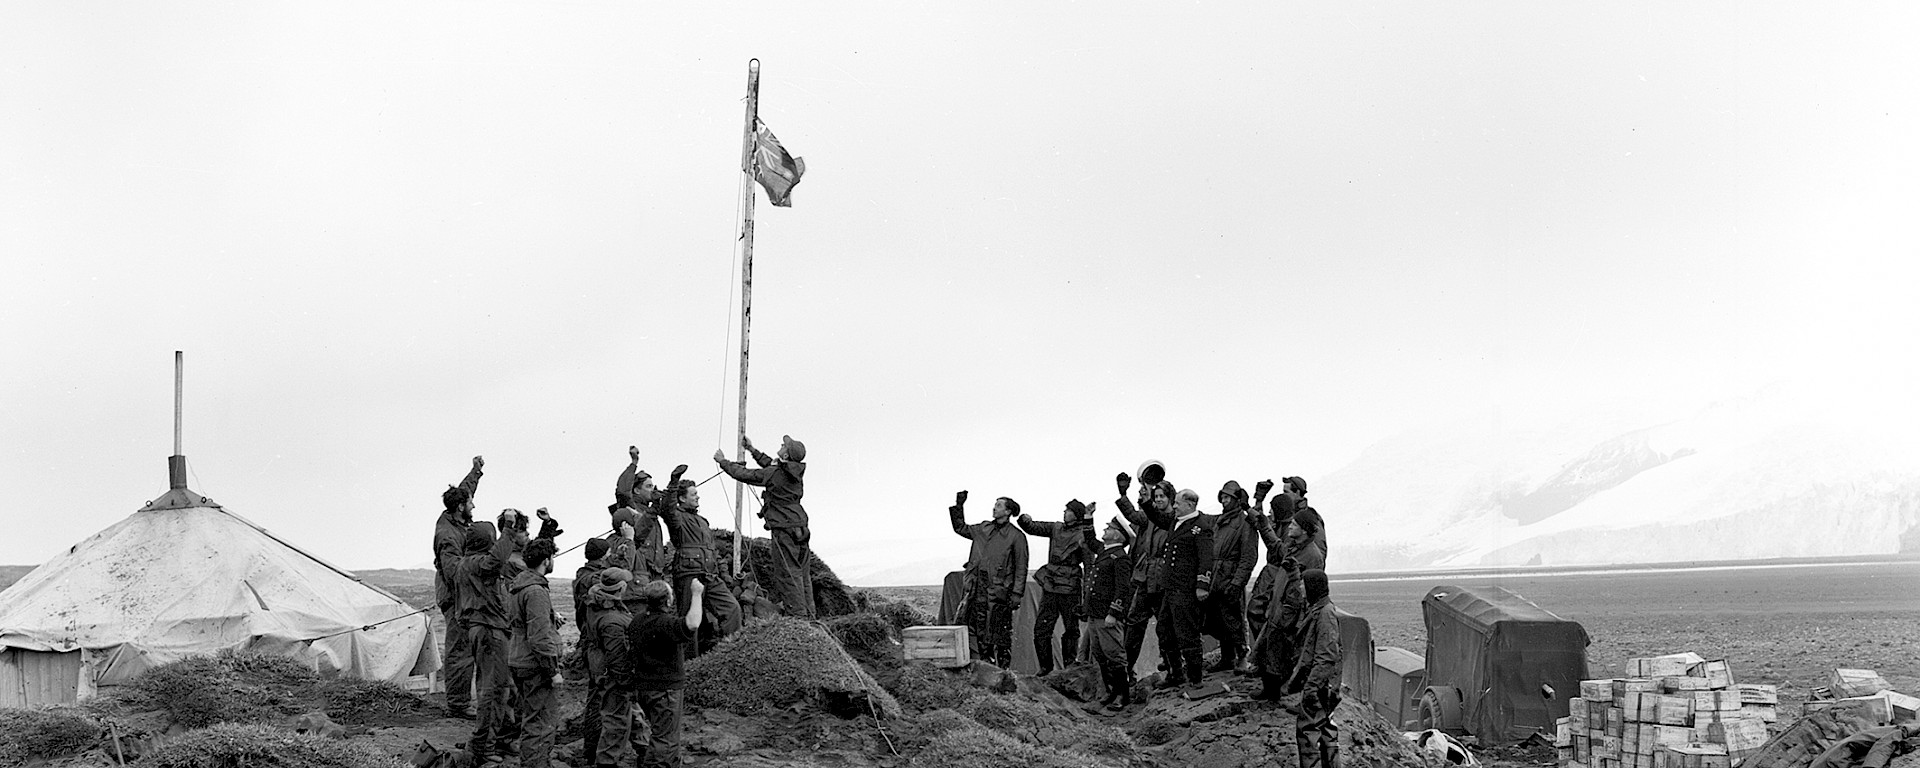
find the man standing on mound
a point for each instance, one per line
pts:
(791, 580)
(996, 577)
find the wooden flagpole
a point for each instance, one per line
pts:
(747, 166)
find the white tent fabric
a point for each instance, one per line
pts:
(169, 583)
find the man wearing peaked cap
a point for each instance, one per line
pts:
(1070, 544)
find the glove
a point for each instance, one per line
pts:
(960, 499)
(1124, 481)
(719, 455)
(1262, 488)
(673, 480)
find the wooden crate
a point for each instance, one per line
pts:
(942, 646)
(1755, 693)
(1716, 672)
(1662, 666)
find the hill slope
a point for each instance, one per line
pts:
(1779, 473)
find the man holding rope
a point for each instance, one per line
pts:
(790, 580)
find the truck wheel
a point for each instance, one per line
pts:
(1440, 707)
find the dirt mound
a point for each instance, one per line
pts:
(784, 661)
(830, 595)
(991, 749)
(233, 746)
(1231, 731)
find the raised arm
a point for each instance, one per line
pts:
(740, 472)
(1034, 527)
(958, 514)
(471, 483)
(696, 610)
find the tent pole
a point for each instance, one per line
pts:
(177, 463)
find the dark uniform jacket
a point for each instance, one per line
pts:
(1112, 584)
(1067, 553)
(1188, 551)
(657, 644)
(535, 639)
(1149, 571)
(449, 535)
(482, 580)
(1235, 546)
(997, 564)
(646, 553)
(780, 505)
(692, 537)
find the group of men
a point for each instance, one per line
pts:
(1160, 560)
(644, 603)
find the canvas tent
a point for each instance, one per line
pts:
(184, 577)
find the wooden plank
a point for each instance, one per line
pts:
(13, 694)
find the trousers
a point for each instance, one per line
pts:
(791, 577)
(1057, 606)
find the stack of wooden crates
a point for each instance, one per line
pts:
(1673, 711)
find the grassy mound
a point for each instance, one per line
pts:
(865, 635)
(247, 746)
(922, 687)
(243, 687)
(779, 662)
(30, 734)
(202, 691)
(353, 701)
(831, 597)
(897, 613)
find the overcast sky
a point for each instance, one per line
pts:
(1036, 243)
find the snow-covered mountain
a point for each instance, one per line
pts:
(1788, 471)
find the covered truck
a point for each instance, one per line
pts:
(1497, 665)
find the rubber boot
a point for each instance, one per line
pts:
(1125, 677)
(1229, 658)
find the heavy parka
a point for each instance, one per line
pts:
(449, 536)
(1067, 553)
(997, 562)
(535, 642)
(780, 505)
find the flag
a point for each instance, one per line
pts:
(776, 170)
